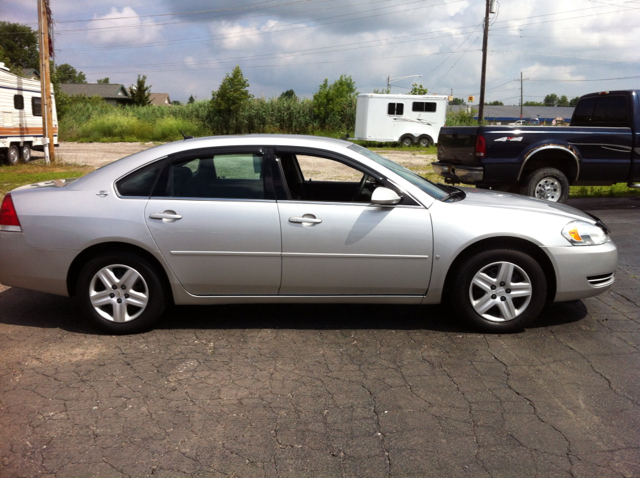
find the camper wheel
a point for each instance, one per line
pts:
(407, 140)
(13, 155)
(25, 152)
(425, 141)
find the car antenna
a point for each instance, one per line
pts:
(185, 136)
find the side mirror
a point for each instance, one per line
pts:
(385, 197)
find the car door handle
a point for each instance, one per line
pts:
(309, 219)
(166, 216)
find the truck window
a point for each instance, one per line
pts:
(423, 106)
(395, 109)
(36, 106)
(18, 102)
(602, 111)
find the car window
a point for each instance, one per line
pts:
(223, 176)
(140, 182)
(311, 177)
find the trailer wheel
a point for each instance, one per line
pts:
(425, 141)
(406, 140)
(25, 152)
(13, 155)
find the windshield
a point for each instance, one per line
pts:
(424, 184)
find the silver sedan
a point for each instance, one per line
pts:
(265, 219)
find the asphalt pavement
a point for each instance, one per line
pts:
(328, 391)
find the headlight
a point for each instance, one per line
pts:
(580, 233)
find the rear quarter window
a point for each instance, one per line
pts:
(139, 183)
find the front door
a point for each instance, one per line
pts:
(334, 242)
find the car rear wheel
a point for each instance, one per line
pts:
(549, 184)
(13, 155)
(499, 290)
(121, 293)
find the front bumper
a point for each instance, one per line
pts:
(583, 271)
(458, 174)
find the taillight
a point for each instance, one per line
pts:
(8, 217)
(481, 147)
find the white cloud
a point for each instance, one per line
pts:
(119, 28)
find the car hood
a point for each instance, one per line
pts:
(497, 199)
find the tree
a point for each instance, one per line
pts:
(334, 104)
(104, 81)
(230, 99)
(574, 101)
(140, 93)
(418, 89)
(495, 103)
(288, 95)
(67, 74)
(191, 100)
(533, 103)
(457, 101)
(563, 101)
(176, 103)
(383, 91)
(19, 44)
(233, 93)
(550, 100)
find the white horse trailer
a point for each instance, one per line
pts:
(407, 119)
(21, 117)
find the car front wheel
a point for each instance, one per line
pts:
(120, 292)
(499, 290)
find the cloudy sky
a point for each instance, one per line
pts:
(185, 47)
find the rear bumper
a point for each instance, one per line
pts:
(459, 174)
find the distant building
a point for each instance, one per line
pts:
(31, 73)
(160, 99)
(114, 94)
(507, 114)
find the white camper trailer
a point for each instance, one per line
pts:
(21, 117)
(407, 119)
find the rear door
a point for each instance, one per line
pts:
(214, 217)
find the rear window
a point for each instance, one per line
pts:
(602, 111)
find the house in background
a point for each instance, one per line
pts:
(114, 94)
(160, 99)
(31, 73)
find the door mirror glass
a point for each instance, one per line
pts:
(385, 196)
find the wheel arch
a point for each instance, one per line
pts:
(107, 247)
(563, 158)
(516, 243)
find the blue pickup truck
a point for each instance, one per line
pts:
(601, 147)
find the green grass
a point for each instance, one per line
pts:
(616, 190)
(12, 177)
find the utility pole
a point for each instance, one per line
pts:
(46, 101)
(521, 80)
(491, 8)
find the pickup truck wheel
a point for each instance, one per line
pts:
(406, 140)
(499, 290)
(549, 184)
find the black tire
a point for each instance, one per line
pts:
(112, 304)
(425, 141)
(549, 184)
(25, 153)
(406, 140)
(13, 155)
(499, 290)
